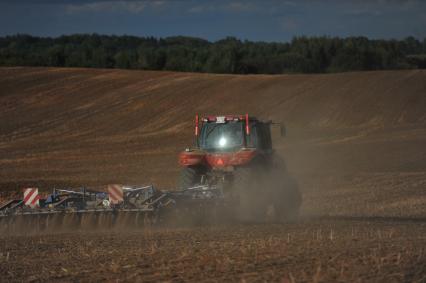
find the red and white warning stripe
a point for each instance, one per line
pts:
(31, 197)
(115, 193)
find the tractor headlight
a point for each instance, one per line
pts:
(222, 142)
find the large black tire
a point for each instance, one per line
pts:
(266, 194)
(242, 177)
(251, 203)
(189, 177)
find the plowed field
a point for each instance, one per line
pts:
(356, 143)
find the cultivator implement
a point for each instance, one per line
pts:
(119, 206)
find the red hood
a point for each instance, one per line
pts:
(217, 159)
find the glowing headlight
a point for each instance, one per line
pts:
(222, 142)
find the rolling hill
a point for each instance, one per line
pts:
(97, 126)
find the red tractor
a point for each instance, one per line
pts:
(234, 153)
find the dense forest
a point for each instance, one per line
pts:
(229, 55)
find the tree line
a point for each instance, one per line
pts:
(229, 55)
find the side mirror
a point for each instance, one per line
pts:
(283, 130)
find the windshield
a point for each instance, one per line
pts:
(225, 136)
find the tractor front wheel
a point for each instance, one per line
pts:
(189, 177)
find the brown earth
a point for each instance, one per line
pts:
(356, 143)
(330, 250)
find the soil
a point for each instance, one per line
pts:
(355, 143)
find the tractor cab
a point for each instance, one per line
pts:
(232, 133)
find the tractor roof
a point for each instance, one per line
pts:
(226, 118)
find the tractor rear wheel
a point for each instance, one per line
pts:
(287, 199)
(251, 203)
